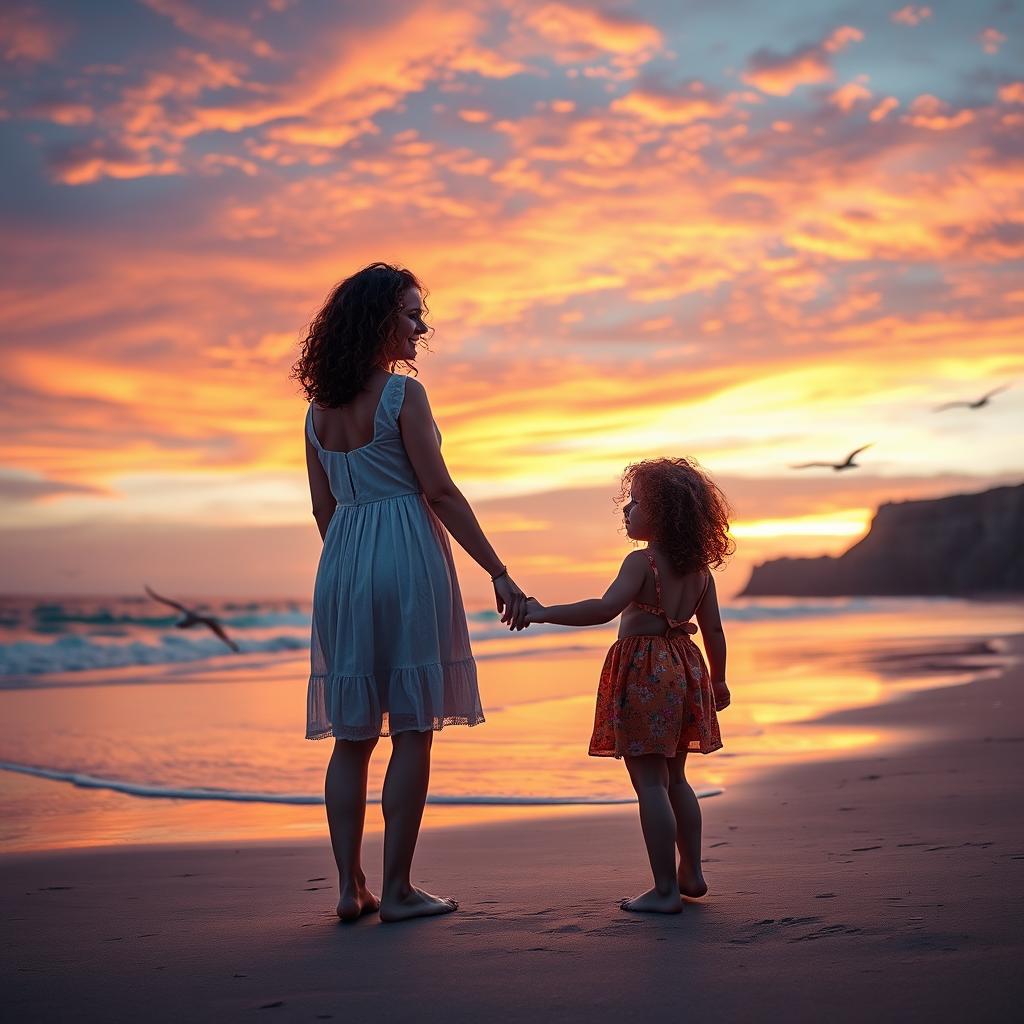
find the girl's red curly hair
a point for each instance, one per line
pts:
(688, 511)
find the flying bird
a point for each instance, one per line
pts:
(971, 405)
(192, 618)
(837, 466)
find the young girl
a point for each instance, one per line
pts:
(657, 700)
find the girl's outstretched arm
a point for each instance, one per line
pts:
(596, 610)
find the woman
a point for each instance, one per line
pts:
(390, 646)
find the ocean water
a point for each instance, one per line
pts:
(117, 727)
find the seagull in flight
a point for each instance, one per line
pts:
(191, 618)
(837, 466)
(971, 405)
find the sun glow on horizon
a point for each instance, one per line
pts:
(848, 523)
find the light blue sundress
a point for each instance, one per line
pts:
(390, 647)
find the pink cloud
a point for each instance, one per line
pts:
(66, 114)
(883, 109)
(195, 22)
(779, 74)
(991, 40)
(26, 36)
(1013, 92)
(910, 15)
(82, 165)
(934, 114)
(841, 38)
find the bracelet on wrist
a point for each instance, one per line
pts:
(497, 576)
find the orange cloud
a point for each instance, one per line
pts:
(664, 107)
(779, 74)
(579, 31)
(847, 96)
(884, 108)
(485, 62)
(1012, 92)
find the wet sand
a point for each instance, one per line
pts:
(886, 887)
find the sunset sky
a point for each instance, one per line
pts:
(758, 234)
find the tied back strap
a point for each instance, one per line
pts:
(657, 583)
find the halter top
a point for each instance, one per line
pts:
(673, 624)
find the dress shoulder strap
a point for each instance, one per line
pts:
(700, 600)
(390, 404)
(311, 431)
(657, 582)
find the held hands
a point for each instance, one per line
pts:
(510, 601)
(534, 611)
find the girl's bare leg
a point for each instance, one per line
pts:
(650, 778)
(688, 829)
(405, 793)
(345, 796)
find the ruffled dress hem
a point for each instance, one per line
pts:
(418, 698)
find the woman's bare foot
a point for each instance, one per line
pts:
(692, 887)
(653, 902)
(355, 902)
(415, 903)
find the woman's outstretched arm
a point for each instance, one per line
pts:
(416, 424)
(596, 610)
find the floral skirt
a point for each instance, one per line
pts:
(654, 697)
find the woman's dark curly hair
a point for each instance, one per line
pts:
(688, 511)
(351, 334)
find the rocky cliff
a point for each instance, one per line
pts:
(963, 544)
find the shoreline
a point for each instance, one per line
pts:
(887, 884)
(911, 666)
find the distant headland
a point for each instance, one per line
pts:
(955, 546)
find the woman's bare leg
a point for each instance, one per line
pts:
(688, 829)
(345, 796)
(405, 793)
(649, 775)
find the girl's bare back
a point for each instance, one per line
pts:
(680, 593)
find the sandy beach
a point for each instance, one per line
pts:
(886, 887)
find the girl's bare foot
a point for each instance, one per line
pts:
(692, 887)
(415, 903)
(355, 902)
(653, 902)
